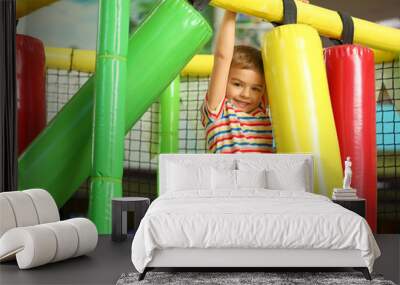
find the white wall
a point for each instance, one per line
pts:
(66, 23)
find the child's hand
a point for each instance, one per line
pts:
(230, 14)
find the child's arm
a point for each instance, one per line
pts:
(222, 61)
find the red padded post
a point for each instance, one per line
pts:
(351, 77)
(31, 72)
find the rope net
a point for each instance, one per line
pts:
(387, 77)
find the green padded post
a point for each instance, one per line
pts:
(109, 115)
(169, 118)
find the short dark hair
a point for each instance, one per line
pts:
(247, 57)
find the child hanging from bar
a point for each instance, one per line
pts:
(234, 112)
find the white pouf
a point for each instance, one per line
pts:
(31, 232)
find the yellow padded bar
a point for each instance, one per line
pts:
(58, 58)
(384, 56)
(200, 65)
(327, 22)
(85, 60)
(24, 7)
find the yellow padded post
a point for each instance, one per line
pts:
(302, 116)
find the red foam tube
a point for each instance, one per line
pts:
(31, 72)
(351, 77)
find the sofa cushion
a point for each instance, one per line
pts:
(67, 240)
(7, 220)
(26, 208)
(23, 208)
(32, 246)
(45, 205)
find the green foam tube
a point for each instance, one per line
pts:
(169, 118)
(109, 115)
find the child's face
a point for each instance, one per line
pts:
(245, 88)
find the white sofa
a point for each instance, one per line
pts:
(157, 246)
(31, 231)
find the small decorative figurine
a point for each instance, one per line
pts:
(347, 173)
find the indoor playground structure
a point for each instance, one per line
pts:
(110, 112)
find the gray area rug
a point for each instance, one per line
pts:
(230, 278)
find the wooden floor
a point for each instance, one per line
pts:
(110, 259)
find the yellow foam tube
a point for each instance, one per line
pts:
(200, 65)
(85, 60)
(326, 21)
(24, 7)
(298, 92)
(381, 56)
(58, 58)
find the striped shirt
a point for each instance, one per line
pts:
(229, 130)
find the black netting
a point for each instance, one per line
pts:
(61, 85)
(141, 143)
(388, 144)
(191, 131)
